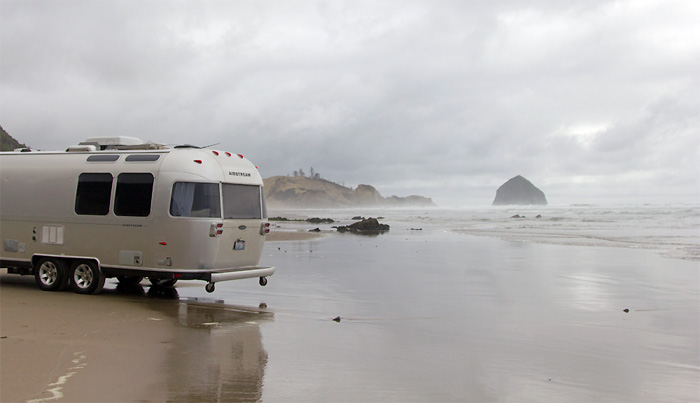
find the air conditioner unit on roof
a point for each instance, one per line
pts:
(106, 142)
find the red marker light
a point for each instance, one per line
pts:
(228, 154)
(215, 152)
(198, 161)
(162, 243)
(240, 155)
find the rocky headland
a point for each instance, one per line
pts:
(305, 192)
(7, 142)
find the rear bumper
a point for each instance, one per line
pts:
(241, 273)
(213, 276)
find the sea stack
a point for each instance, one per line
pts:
(519, 191)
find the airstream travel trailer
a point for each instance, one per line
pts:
(119, 207)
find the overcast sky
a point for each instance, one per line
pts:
(592, 101)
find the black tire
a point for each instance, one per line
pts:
(210, 287)
(51, 274)
(86, 277)
(162, 282)
(129, 280)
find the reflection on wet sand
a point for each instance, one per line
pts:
(216, 351)
(73, 347)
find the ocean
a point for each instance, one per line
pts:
(564, 303)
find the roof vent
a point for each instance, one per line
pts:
(81, 147)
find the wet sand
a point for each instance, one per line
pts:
(116, 346)
(275, 236)
(61, 345)
(124, 345)
(426, 315)
(436, 316)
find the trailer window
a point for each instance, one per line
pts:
(142, 158)
(192, 199)
(241, 201)
(93, 194)
(264, 204)
(133, 196)
(102, 158)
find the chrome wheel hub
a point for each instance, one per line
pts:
(83, 276)
(48, 273)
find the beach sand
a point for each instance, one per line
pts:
(124, 345)
(426, 315)
(115, 346)
(78, 347)
(275, 236)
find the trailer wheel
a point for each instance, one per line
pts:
(209, 287)
(50, 274)
(129, 280)
(86, 277)
(263, 281)
(162, 282)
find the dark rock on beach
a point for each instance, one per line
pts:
(369, 225)
(317, 220)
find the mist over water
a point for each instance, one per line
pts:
(672, 230)
(534, 310)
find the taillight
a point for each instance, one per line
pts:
(216, 229)
(265, 228)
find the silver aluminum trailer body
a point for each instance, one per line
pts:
(166, 214)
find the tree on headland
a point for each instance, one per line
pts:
(312, 173)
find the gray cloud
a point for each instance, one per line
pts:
(589, 100)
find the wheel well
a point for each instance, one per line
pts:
(68, 260)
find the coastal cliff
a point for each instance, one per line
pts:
(304, 192)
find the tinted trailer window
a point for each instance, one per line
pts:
(190, 199)
(93, 194)
(242, 201)
(133, 196)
